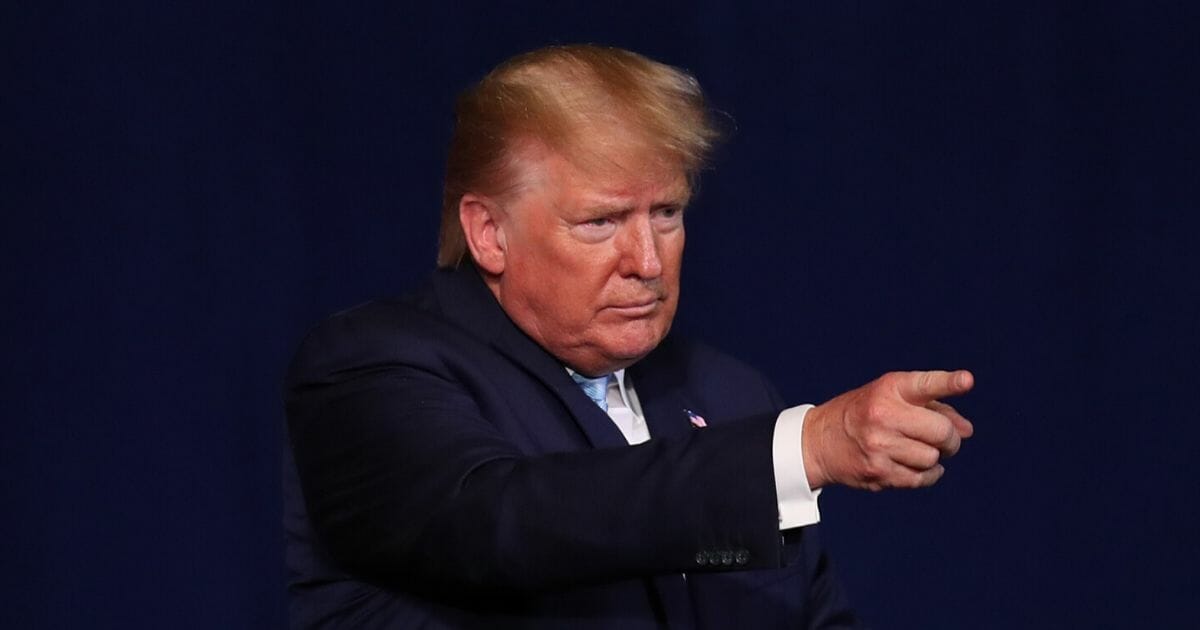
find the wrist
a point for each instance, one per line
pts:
(811, 450)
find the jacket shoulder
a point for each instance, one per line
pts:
(703, 368)
(373, 335)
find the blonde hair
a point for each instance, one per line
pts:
(556, 96)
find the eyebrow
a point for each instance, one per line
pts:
(622, 208)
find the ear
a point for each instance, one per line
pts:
(481, 223)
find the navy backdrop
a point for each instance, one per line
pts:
(1008, 187)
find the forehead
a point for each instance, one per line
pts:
(603, 178)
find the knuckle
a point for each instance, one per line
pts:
(876, 411)
(889, 382)
(874, 469)
(873, 485)
(934, 474)
(924, 382)
(874, 442)
(868, 473)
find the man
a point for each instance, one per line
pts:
(523, 444)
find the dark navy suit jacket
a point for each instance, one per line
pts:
(448, 473)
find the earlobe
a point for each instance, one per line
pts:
(480, 219)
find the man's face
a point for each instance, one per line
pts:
(591, 268)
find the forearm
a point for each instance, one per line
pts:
(405, 480)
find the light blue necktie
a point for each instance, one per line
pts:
(595, 388)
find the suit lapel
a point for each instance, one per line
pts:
(662, 393)
(465, 300)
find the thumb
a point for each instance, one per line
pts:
(919, 388)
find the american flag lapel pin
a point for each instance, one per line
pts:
(696, 419)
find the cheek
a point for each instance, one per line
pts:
(668, 312)
(584, 280)
(671, 252)
(573, 301)
(566, 292)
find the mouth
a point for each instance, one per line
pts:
(636, 309)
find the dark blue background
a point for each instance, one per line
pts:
(1009, 187)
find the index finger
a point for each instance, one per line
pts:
(919, 388)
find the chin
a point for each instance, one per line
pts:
(633, 345)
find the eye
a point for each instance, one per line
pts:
(669, 216)
(596, 229)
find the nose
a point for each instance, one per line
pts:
(639, 249)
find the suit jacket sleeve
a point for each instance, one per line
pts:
(408, 478)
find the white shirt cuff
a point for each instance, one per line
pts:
(797, 501)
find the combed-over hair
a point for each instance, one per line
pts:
(561, 96)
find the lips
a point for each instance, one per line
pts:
(636, 309)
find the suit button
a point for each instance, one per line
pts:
(701, 558)
(741, 556)
(726, 558)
